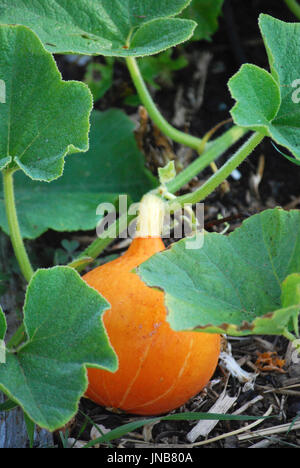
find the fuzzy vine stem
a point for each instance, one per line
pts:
(293, 339)
(294, 6)
(224, 172)
(218, 147)
(96, 247)
(13, 224)
(158, 119)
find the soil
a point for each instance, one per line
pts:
(267, 180)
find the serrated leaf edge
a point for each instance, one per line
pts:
(60, 80)
(237, 105)
(83, 366)
(245, 328)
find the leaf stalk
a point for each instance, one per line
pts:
(224, 172)
(158, 119)
(13, 224)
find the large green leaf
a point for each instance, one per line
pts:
(259, 105)
(43, 118)
(102, 27)
(206, 14)
(47, 375)
(233, 284)
(100, 175)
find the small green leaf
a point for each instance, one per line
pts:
(43, 118)
(100, 175)
(257, 95)
(70, 246)
(117, 28)
(167, 173)
(233, 283)
(269, 102)
(206, 14)
(99, 77)
(47, 375)
(159, 69)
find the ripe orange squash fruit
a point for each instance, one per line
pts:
(159, 369)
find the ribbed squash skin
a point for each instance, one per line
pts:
(159, 369)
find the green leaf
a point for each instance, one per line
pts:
(100, 175)
(99, 77)
(117, 28)
(291, 297)
(62, 256)
(206, 14)
(3, 325)
(257, 95)
(47, 375)
(290, 158)
(43, 118)
(160, 68)
(167, 173)
(291, 290)
(233, 283)
(268, 101)
(70, 246)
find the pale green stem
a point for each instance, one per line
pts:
(218, 147)
(293, 339)
(101, 243)
(158, 119)
(223, 173)
(294, 6)
(13, 224)
(289, 336)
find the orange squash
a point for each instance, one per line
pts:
(159, 368)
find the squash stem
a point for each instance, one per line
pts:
(13, 224)
(224, 172)
(217, 147)
(158, 119)
(96, 247)
(293, 339)
(151, 216)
